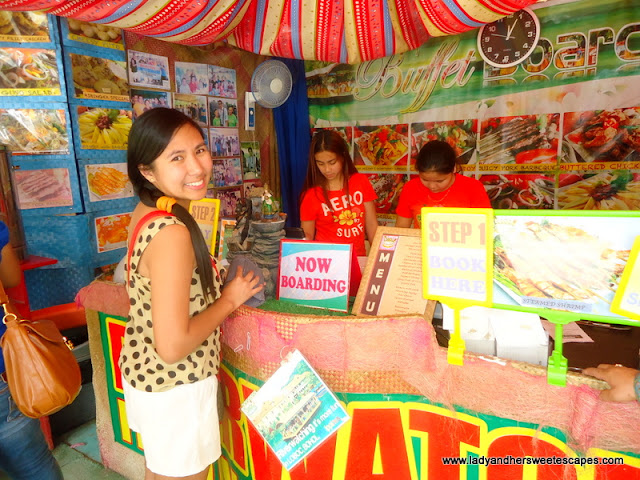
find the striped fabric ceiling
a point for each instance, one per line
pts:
(345, 31)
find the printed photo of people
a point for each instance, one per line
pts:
(223, 142)
(148, 70)
(251, 160)
(249, 186)
(194, 106)
(143, 100)
(227, 172)
(222, 82)
(223, 112)
(192, 78)
(229, 199)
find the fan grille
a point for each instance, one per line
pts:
(271, 83)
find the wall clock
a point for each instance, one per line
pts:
(509, 40)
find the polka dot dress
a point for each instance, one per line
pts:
(141, 366)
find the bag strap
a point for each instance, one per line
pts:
(143, 221)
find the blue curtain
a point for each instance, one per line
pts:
(293, 136)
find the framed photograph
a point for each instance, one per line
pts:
(222, 82)
(251, 160)
(143, 100)
(96, 78)
(85, 34)
(34, 131)
(224, 142)
(112, 231)
(108, 181)
(24, 27)
(193, 106)
(43, 188)
(192, 78)
(226, 230)
(148, 70)
(223, 112)
(229, 199)
(29, 72)
(103, 128)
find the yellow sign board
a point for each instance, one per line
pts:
(457, 262)
(627, 298)
(206, 212)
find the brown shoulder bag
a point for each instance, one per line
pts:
(42, 372)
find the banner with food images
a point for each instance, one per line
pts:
(560, 130)
(105, 185)
(101, 128)
(47, 187)
(75, 32)
(40, 131)
(32, 73)
(27, 27)
(97, 75)
(559, 260)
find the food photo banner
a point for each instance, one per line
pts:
(558, 130)
(564, 261)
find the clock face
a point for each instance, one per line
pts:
(510, 40)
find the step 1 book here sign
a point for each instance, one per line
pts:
(457, 261)
(315, 274)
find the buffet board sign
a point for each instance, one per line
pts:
(406, 437)
(315, 274)
(558, 131)
(564, 261)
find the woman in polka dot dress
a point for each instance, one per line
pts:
(171, 351)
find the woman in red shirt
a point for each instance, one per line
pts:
(438, 185)
(336, 201)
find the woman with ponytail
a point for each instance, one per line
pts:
(171, 351)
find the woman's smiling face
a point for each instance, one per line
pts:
(183, 169)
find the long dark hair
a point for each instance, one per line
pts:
(436, 156)
(149, 136)
(327, 141)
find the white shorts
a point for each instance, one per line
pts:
(179, 428)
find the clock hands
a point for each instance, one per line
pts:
(511, 29)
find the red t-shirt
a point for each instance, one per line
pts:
(342, 221)
(465, 192)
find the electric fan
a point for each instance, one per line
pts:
(271, 83)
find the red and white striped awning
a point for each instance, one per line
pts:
(344, 31)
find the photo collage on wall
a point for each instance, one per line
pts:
(208, 95)
(577, 160)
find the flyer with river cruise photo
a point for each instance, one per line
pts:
(294, 410)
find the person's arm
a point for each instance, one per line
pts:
(170, 259)
(10, 272)
(622, 380)
(403, 222)
(309, 228)
(370, 220)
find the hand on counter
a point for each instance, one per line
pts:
(622, 381)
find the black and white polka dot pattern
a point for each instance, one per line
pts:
(140, 364)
